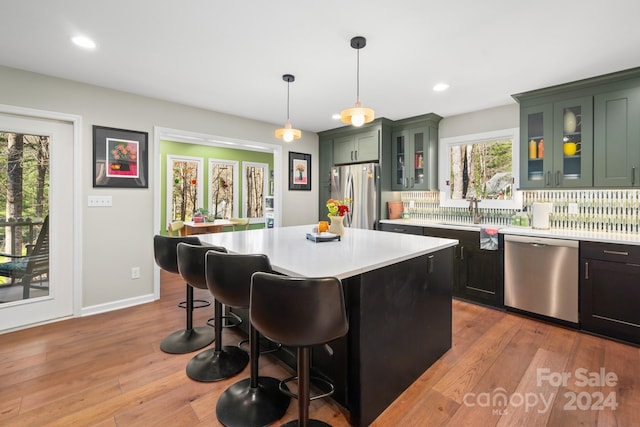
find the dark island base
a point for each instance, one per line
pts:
(399, 325)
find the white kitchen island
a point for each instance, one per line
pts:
(398, 293)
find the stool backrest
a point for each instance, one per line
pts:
(191, 261)
(165, 250)
(298, 311)
(174, 226)
(229, 276)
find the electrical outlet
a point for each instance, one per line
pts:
(135, 272)
(100, 201)
(573, 208)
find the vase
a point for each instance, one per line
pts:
(336, 226)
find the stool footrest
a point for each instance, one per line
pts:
(197, 303)
(314, 380)
(232, 322)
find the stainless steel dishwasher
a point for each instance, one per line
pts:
(541, 276)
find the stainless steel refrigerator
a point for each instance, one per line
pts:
(360, 183)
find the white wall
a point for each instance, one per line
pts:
(118, 238)
(504, 117)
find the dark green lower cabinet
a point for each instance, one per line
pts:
(610, 290)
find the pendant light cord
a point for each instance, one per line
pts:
(358, 76)
(288, 83)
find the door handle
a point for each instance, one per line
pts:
(615, 252)
(586, 271)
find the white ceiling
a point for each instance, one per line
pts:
(229, 56)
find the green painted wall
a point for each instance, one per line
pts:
(207, 152)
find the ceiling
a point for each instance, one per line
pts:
(229, 56)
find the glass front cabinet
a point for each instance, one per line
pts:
(557, 144)
(414, 153)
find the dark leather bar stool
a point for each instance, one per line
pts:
(189, 339)
(219, 362)
(257, 400)
(299, 312)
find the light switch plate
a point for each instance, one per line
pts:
(100, 201)
(573, 209)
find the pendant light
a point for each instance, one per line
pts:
(288, 134)
(358, 115)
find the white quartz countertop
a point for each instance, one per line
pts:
(591, 236)
(358, 251)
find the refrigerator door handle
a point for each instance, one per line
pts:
(348, 194)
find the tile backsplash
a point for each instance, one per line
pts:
(614, 211)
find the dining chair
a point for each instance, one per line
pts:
(240, 223)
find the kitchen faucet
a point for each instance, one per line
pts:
(473, 207)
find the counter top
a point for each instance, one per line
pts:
(358, 251)
(591, 236)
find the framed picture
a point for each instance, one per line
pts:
(299, 171)
(120, 158)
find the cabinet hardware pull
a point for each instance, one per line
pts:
(615, 252)
(412, 182)
(351, 155)
(356, 154)
(430, 263)
(406, 183)
(586, 271)
(461, 252)
(398, 230)
(557, 178)
(633, 176)
(547, 181)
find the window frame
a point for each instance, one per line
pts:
(265, 190)
(235, 192)
(444, 169)
(171, 158)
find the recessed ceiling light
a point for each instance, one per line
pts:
(84, 42)
(440, 87)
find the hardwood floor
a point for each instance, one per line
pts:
(108, 370)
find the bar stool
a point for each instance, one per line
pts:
(220, 362)
(188, 339)
(299, 312)
(257, 400)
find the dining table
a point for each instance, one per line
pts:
(216, 226)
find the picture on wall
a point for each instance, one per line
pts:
(299, 171)
(119, 158)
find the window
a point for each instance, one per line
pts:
(254, 190)
(24, 200)
(223, 188)
(184, 176)
(482, 166)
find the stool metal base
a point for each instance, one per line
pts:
(310, 423)
(212, 365)
(197, 303)
(188, 340)
(243, 406)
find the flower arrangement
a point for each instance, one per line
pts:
(300, 168)
(338, 207)
(124, 152)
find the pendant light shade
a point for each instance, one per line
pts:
(287, 133)
(357, 115)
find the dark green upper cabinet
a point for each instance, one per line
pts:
(617, 131)
(414, 153)
(589, 130)
(556, 144)
(356, 148)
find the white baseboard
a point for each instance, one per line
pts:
(116, 305)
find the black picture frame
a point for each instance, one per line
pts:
(299, 171)
(120, 158)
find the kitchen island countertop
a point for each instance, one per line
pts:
(357, 252)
